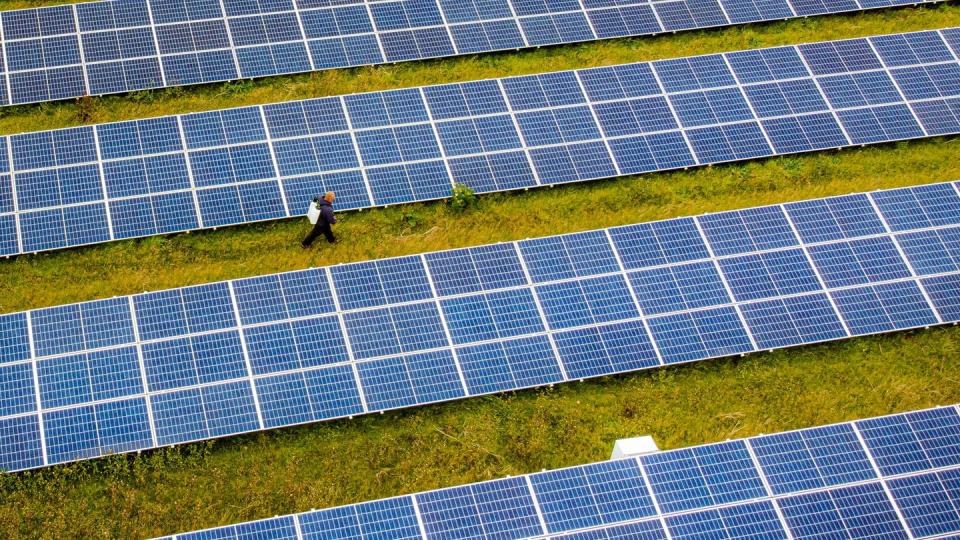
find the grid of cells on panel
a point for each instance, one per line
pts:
(145, 177)
(116, 46)
(208, 361)
(823, 482)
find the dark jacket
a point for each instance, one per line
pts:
(326, 211)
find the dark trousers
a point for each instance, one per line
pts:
(322, 227)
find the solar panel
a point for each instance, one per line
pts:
(822, 482)
(139, 178)
(206, 361)
(117, 46)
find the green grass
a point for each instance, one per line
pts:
(241, 478)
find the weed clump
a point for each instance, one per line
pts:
(462, 197)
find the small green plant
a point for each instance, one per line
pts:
(411, 221)
(142, 96)
(462, 197)
(236, 88)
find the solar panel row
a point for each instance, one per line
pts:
(94, 184)
(123, 45)
(892, 477)
(154, 369)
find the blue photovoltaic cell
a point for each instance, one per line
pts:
(888, 123)
(64, 381)
(858, 90)
(588, 301)
(929, 502)
(123, 426)
(20, 447)
(944, 293)
(272, 351)
(779, 273)
(635, 116)
(500, 509)
(491, 316)
(300, 344)
(314, 395)
(91, 325)
(757, 520)
(812, 459)
(837, 56)
(98, 375)
(576, 255)
(320, 523)
(589, 352)
(593, 495)
(662, 242)
(14, 344)
(937, 116)
(932, 252)
(702, 476)
(747, 230)
(685, 337)
(874, 259)
(387, 383)
(393, 330)
(559, 127)
(211, 411)
(18, 395)
(913, 441)
(922, 206)
(281, 528)
(403, 381)
(8, 235)
(679, 288)
(392, 518)
(805, 133)
(767, 64)
(192, 309)
(911, 49)
(271, 298)
(836, 218)
(643, 530)
(694, 73)
(783, 322)
(381, 282)
(475, 269)
(853, 512)
(201, 359)
(882, 308)
(112, 427)
(510, 364)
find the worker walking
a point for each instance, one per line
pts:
(324, 221)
